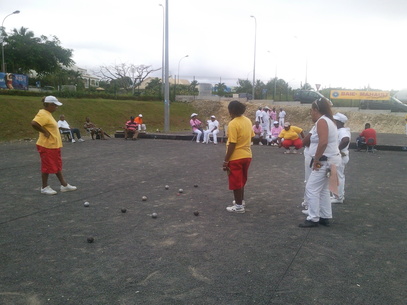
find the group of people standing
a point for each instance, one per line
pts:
(325, 157)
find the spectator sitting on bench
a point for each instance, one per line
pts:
(131, 128)
(367, 135)
(93, 130)
(141, 125)
(64, 128)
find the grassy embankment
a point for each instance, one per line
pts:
(17, 112)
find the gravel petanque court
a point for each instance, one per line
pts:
(260, 257)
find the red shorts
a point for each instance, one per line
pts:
(51, 161)
(238, 170)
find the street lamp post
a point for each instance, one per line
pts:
(162, 61)
(254, 63)
(167, 84)
(2, 41)
(177, 82)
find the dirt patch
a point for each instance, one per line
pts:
(299, 116)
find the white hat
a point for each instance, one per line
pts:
(140, 115)
(52, 100)
(286, 124)
(213, 117)
(194, 114)
(340, 117)
(275, 122)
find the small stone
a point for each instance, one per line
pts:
(91, 240)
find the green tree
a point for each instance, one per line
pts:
(220, 89)
(154, 87)
(25, 52)
(244, 86)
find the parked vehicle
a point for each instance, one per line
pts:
(394, 104)
(306, 96)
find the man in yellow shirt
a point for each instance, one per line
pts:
(291, 137)
(238, 154)
(49, 145)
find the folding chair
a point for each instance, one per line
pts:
(370, 145)
(67, 135)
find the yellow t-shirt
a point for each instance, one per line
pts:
(291, 134)
(240, 132)
(47, 121)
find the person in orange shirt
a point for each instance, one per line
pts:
(140, 125)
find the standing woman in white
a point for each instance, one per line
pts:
(343, 145)
(324, 163)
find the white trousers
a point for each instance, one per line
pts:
(198, 135)
(281, 121)
(341, 177)
(141, 127)
(214, 134)
(317, 194)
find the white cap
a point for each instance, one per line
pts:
(286, 124)
(52, 100)
(194, 114)
(140, 115)
(340, 117)
(213, 117)
(275, 123)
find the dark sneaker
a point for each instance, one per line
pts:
(324, 222)
(308, 224)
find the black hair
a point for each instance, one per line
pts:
(323, 106)
(236, 108)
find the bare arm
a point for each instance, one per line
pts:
(229, 152)
(322, 128)
(39, 128)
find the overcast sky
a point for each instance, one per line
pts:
(343, 43)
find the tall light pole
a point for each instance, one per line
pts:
(2, 40)
(275, 81)
(177, 82)
(254, 63)
(162, 53)
(167, 84)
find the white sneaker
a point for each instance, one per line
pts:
(68, 188)
(305, 212)
(335, 200)
(48, 191)
(294, 151)
(73, 141)
(236, 209)
(287, 151)
(260, 143)
(81, 140)
(243, 202)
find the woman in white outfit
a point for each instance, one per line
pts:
(343, 145)
(326, 155)
(213, 128)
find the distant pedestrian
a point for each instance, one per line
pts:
(238, 154)
(281, 117)
(273, 115)
(49, 145)
(344, 137)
